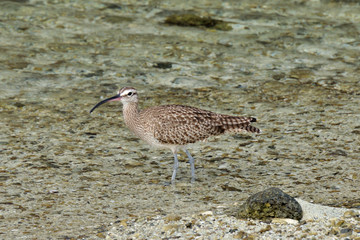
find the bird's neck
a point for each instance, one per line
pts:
(131, 115)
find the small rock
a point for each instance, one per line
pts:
(267, 228)
(225, 42)
(285, 221)
(19, 104)
(278, 76)
(240, 235)
(207, 213)
(349, 214)
(271, 203)
(171, 218)
(162, 65)
(171, 227)
(189, 225)
(345, 232)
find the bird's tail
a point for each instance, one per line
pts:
(239, 124)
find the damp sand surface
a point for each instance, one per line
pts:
(67, 174)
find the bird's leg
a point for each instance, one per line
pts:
(192, 165)
(176, 166)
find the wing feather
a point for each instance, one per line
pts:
(180, 125)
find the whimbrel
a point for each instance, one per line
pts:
(176, 126)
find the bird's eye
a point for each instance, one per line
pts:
(130, 93)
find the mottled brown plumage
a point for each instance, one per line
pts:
(175, 126)
(181, 125)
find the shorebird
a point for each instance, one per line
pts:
(175, 126)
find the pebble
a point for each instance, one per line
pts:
(228, 227)
(285, 221)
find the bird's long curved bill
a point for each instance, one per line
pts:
(114, 98)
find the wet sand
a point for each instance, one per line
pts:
(67, 174)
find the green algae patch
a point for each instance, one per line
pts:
(192, 20)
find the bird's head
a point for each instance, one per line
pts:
(125, 95)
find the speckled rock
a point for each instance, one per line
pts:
(271, 203)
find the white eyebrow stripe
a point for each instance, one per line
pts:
(126, 92)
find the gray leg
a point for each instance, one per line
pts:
(176, 166)
(192, 165)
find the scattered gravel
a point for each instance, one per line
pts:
(319, 222)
